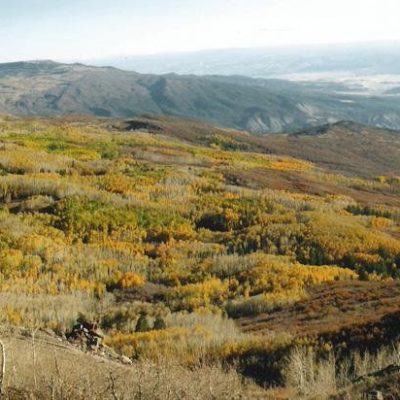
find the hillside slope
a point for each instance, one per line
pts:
(185, 248)
(343, 147)
(62, 371)
(256, 105)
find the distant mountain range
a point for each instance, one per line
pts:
(327, 60)
(257, 105)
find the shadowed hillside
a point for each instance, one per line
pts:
(343, 147)
(357, 315)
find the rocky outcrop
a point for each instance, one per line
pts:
(86, 335)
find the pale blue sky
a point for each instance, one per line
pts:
(85, 29)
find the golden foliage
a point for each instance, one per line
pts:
(173, 226)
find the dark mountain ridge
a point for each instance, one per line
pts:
(256, 105)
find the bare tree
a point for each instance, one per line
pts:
(3, 366)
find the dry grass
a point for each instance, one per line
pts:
(63, 372)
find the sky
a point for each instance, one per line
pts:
(71, 30)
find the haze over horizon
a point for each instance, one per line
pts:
(80, 30)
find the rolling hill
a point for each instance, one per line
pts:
(256, 105)
(344, 147)
(171, 251)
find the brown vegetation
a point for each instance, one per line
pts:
(358, 315)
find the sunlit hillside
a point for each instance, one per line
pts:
(188, 248)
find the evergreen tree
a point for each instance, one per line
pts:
(143, 324)
(159, 323)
